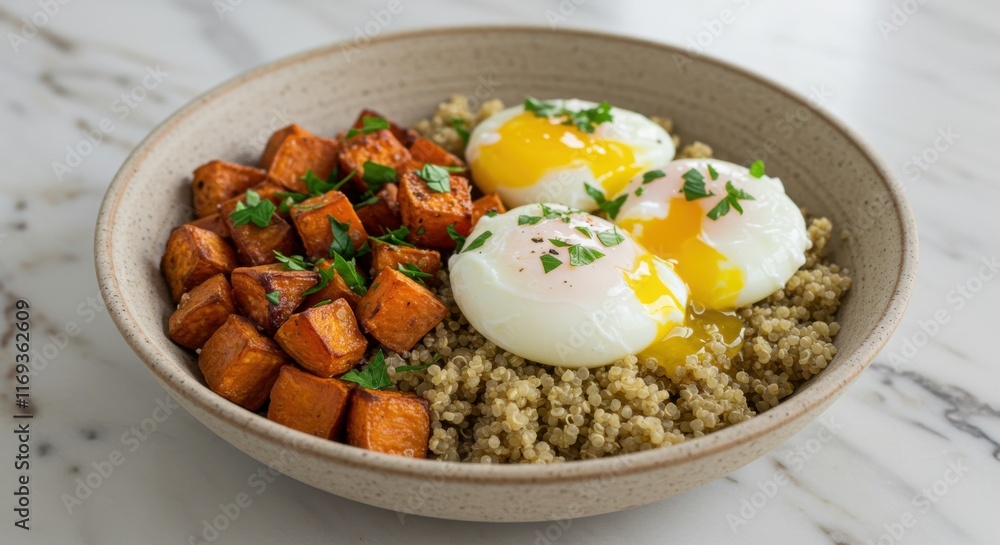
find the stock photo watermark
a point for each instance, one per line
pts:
(712, 29)
(378, 22)
(899, 15)
(921, 162)
(34, 23)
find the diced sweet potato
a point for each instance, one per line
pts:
(298, 154)
(428, 213)
(378, 147)
(390, 422)
(398, 312)
(202, 310)
(425, 151)
(404, 135)
(252, 284)
(335, 289)
(240, 364)
(313, 224)
(219, 181)
(276, 140)
(324, 340)
(392, 256)
(213, 223)
(310, 404)
(486, 204)
(194, 255)
(256, 245)
(382, 215)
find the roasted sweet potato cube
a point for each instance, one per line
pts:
(240, 364)
(202, 310)
(256, 245)
(219, 181)
(383, 214)
(213, 223)
(251, 286)
(276, 140)
(378, 147)
(428, 213)
(313, 224)
(392, 256)
(486, 204)
(390, 422)
(425, 151)
(194, 255)
(317, 406)
(404, 135)
(335, 289)
(398, 311)
(324, 340)
(298, 154)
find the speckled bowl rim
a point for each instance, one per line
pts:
(824, 386)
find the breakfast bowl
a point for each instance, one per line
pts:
(825, 169)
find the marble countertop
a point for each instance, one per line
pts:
(911, 453)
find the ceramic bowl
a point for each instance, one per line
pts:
(825, 168)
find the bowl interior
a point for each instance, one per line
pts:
(742, 117)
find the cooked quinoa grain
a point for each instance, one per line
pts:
(491, 406)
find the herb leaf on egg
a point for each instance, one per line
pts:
(757, 169)
(694, 186)
(580, 255)
(585, 120)
(585, 231)
(550, 262)
(610, 238)
(652, 175)
(528, 220)
(731, 200)
(478, 241)
(612, 207)
(712, 172)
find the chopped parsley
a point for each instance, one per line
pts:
(757, 168)
(374, 376)
(580, 255)
(478, 241)
(585, 231)
(325, 276)
(414, 272)
(323, 302)
(585, 120)
(558, 243)
(315, 187)
(274, 297)
(457, 237)
(438, 178)
(610, 238)
(731, 200)
(712, 172)
(342, 243)
(612, 207)
(639, 191)
(550, 262)
(461, 127)
(253, 209)
(348, 270)
(293, 262)
(367, 202)
(396, 237)
(368, 125)
(694, 186)
(528, 220)
(492, 213)
(652, 175)
(375, 175)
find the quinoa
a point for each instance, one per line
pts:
(491, 406)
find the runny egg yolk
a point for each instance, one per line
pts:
(529, 146)
(712, 280)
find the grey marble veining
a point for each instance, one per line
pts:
(915, 440)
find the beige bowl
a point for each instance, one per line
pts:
(743, 116)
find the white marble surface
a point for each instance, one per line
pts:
(929, 404)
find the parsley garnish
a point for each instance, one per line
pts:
(323, 302)
(348, 270)
(694, 186)
(585, 120)
(757, 168)
(652, 175)
(342, 243)
(274, 297)
(315, 187)
(253, 209)
(478, 241)
(639, 191)
(377, 175)
(558, 243)
(325, 276)
(457, 237)
(732, 198)
(585, 231)
(550, 262)
(580, 255)
(367, 202)
(374, 376)
(437, 178)
(368, 124)
(396, 237)
(610, 238)
(293, 262)
(612, 207)
(414, 272)
(492, 213)
(529, 220)
(461, 127)
(712, 172)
